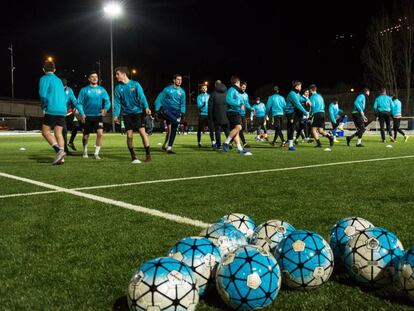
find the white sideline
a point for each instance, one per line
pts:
(137, 208)
(26, 194)
(243, 173)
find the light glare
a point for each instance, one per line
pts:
(113, 10)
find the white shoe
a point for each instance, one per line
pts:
(97, 157)
(136, 161)
(85, 156)
(59, 156)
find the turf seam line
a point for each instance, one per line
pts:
(137, 208)
(242, 173)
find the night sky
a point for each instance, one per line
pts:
(261, 41)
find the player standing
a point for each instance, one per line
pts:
(382, 108)
(95, 102)
(203, 121)
(396, 115)
(276, 105)
(131, 103)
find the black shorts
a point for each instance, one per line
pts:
(134, 121)
(234, 119)
(203, 121)
(397, 122)
(358, 121)
(319, 120)
(92, 124)
(260, 121)
(53, 121)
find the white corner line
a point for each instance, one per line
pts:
(136, 208)
(243, 173)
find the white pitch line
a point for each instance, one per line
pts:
(137, 208)
(243, 173)
(13, 195)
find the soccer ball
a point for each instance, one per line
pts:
(248, 278)
(342, 232)
(242, 222)
(225, 236)
(306, 260)
(201, 255)
(371, 257)
(269, 234)
(163, 284)
(406, 273)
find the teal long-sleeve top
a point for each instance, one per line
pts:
(202, 104)
(233, 100)
(276, 105)
(92, 100)
(70, 98)
(244, 100)
(260, 110)
(318, 104)
(359, 104)
(396, 108)
(52, 95)
(171, 97)
(293, 101)
(334, 112)
(129, 98)
(383, 103)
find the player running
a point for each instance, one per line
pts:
(234, 105)
(382, 108)
(359, 117)
(276, 105)
(170, 105)
(53, 101)
(94, 101)
(337, 117)
(396, 115)
(318, 116)
(131, 103)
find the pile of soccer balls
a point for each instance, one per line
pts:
(246, 264)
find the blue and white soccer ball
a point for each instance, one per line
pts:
(306, 260)
(225, 236)
(242, 222)
(342, 232)
(406, 273)
(201, 255)
(163, 284)
(372, 256)
(248, 278)
(269, 234)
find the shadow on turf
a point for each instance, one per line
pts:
(121, 304)
(390, 293)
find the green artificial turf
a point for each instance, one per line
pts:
(63, 252)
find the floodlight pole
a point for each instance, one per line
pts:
(12, 70)
(112, 73)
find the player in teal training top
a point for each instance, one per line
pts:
(170, 105)
(276, 106)
(53, 101)
(359, 117)
(318, 116)
(259, 109)
(396, 115)
(245, 107)
(94, 101)
(203, 120)
(131, 103)
(382, 108)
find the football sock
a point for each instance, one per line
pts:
(239, 147)
(85, 149)
(228, 140)
(132, 152)
(56, 148)
(359, 141)
(147, 150)
(290, 143)
(97, 149)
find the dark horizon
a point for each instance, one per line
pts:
(262, 42)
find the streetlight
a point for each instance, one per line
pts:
(134, 71)
(112, 10)
(50, 59)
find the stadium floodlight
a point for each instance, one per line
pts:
(112, 10)
(50, 59)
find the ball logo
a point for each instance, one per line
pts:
(281, 229)
(210, 260)
(355, 269)
(137, 278)
(286, 275)
(372, 243)
(223, 241)
(319, 272)
(175, 278)
(254, 281)
(228, 259)
(349, 231)
(299, 246)
(178, 256)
